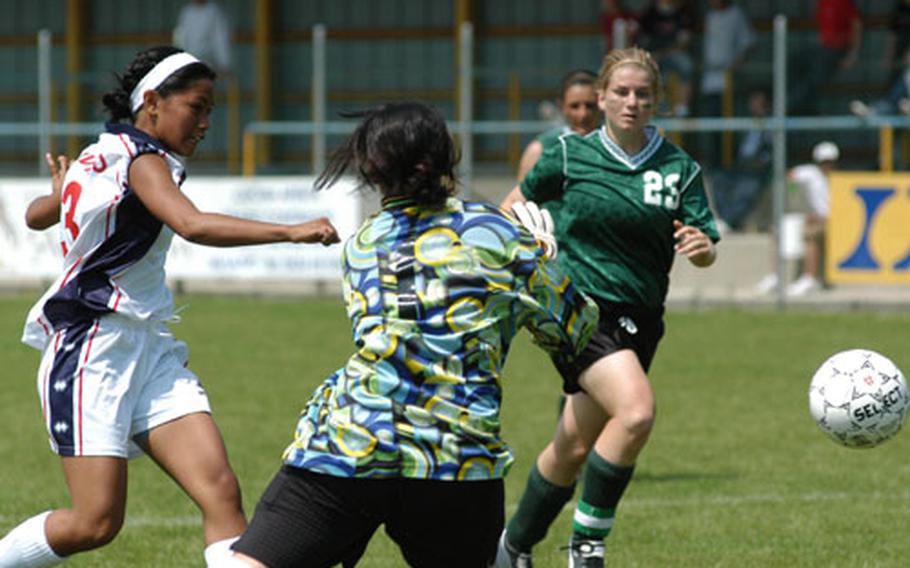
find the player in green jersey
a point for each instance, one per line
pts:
(629, 202)
(577, 103)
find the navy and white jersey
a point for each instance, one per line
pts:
(114, 248)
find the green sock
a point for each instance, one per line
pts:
(604, 485)
(540, 503)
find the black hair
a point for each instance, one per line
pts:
(402, 149)
(117, 102)
(576, 77)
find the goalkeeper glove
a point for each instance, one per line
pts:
(539, 222)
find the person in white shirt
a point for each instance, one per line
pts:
(813, 181)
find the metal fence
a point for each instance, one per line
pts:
(466, 128)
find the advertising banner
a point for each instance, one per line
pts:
(868, 231)
(37, 254)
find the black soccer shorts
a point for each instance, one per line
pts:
(620, 326)
(306, 519)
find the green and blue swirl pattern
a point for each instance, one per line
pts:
(435, 297)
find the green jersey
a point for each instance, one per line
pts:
(615, 212)
(547, 139)
(551, 136)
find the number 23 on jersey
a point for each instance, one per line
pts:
(661, 190)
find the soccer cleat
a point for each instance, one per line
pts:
(586, 553)
(508, 557)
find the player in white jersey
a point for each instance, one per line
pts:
(112, 378)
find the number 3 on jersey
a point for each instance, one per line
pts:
(662, 190)
(69, 199)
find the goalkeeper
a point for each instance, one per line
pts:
(407, 432)
(628, 201)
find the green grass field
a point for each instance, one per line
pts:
(736, 473)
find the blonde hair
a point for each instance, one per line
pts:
(629, 55)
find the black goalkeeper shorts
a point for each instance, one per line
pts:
(306, 519)
(621, 326)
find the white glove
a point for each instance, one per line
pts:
(539, 223)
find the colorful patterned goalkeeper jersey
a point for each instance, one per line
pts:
(435, 298)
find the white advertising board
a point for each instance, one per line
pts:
(32, 254)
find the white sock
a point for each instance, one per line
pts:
(219, 554)
(26, 546)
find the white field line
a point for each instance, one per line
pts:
(736, 500)
(723, 501)
(720, 501)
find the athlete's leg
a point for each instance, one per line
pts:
(619, 385)
(551, 481)
(190, 449)
(580, 424)
(97, 488)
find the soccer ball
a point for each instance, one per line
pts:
(858, 398)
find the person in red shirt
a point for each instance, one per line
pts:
(611, 12)
(840, 32)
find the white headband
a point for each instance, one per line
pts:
(159, 73)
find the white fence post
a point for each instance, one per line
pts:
(466, 104)
(319, 96)
(44, 97)
(780, 153)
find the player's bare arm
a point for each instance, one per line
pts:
(151, 180)
(44, 212)
(528, 158)
(694, 245)
(513, 197)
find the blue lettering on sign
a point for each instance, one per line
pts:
(861, 258)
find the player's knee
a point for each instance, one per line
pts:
(638, 421)
(224, 489)
(96, 532)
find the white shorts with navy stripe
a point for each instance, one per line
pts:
(104, 381)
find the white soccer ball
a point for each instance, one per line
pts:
(859, 398)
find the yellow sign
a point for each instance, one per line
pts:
(868, 230)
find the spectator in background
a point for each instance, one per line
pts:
(897, 51)
(728, 39)
(204, 30)
(837, 43)
(897, 64)
(665, 30)
(897, 99)
(611, 12)
(736, 191)
(813, 180)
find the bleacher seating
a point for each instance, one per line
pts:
(402, 49)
